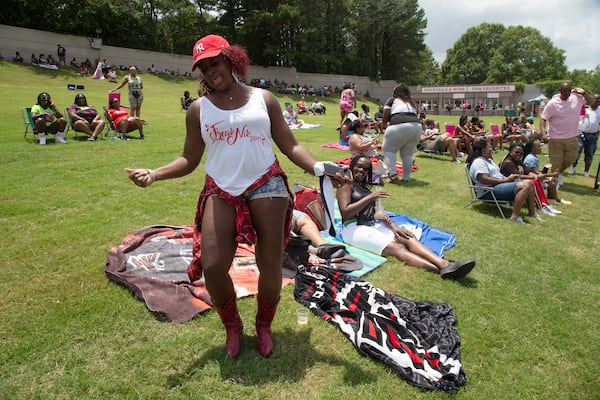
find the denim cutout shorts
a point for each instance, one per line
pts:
(274, 187)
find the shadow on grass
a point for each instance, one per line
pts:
(490, 209)
(292, 358)
(411, 183)
(576, 188)
(467, 282)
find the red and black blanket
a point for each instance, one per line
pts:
(417, 339)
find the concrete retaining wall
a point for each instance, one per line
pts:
(28, 41)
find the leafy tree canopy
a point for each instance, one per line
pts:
(491, 53)
(380, 39)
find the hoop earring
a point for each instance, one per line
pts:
(203, 88)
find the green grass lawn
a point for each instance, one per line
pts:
(527, 314)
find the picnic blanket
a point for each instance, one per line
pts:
(336, 146)
(437, 240)
(399, 169)
(417, 339)
(153, 261)
(305, 126)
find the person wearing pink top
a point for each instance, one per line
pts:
(562, 115)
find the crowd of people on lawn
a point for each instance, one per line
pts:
(572, 115)
(250, 200)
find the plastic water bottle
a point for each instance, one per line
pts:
(379, 211)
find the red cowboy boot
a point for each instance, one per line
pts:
(264, 317)
(233, 326)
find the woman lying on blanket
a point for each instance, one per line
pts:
(363, 228)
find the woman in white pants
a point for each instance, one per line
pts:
(403, 130)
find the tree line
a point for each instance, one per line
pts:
(381, 39)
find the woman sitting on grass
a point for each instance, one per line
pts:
(364, 228)
(359, 143)
(291, 117)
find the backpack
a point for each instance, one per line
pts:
(295, 254)
(309, 201)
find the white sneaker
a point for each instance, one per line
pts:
(536, 216)
(461, 154)
(43, 141)
(559, 181)
(519, 220)
(61, 140)
(553, 210)
(547, 211)
(586, 173)
(571, 171)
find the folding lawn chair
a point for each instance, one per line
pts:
(597, 181)
(69, 123)
(495, 132)
(29, 124)
(484, 190)
(114, 96)
(110, 126)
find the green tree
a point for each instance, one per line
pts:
(389, 40)
(381, 39)
(468, 61)
(491, 53)
(525, 55)
(589, 80)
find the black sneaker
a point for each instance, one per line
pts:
(457, 270)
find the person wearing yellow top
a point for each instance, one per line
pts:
(47, 119)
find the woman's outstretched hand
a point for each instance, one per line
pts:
(141, 176)
(403, 233)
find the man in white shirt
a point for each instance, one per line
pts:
(588, 136)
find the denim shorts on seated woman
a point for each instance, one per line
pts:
(274, 187)
(503, 191)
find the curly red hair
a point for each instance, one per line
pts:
(237, 58)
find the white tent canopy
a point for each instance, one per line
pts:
(537, 99)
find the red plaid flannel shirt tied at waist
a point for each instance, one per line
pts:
(243, 221)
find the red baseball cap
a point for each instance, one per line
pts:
(208, 46)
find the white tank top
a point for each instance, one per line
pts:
(238, 143)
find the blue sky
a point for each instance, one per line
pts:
(572, 25)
